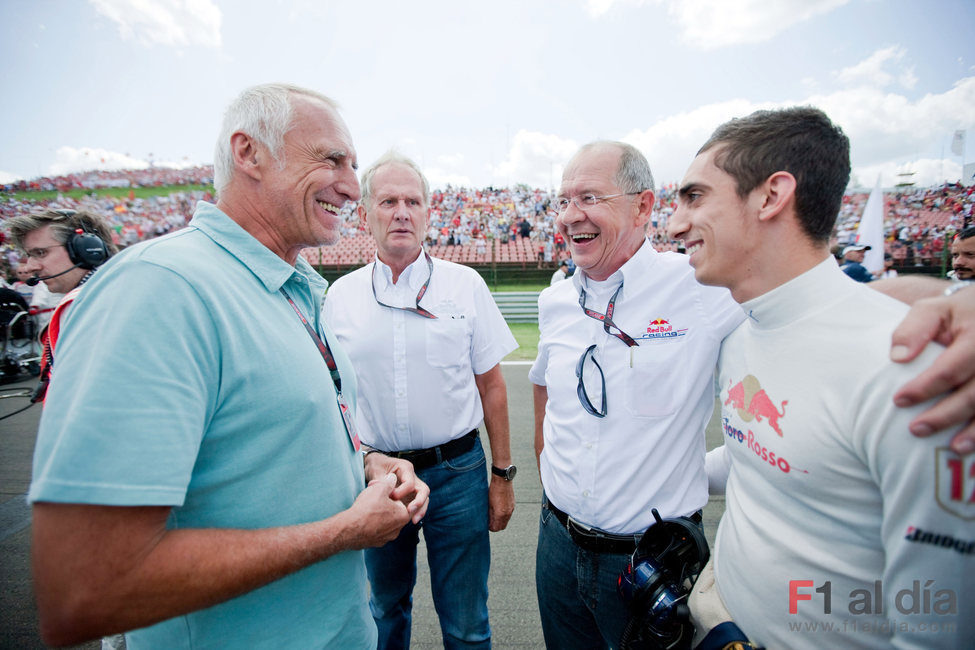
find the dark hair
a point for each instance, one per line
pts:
(799, 140)
(965, 233)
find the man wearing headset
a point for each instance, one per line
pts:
(63, 249)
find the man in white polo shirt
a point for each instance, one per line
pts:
(426, 340)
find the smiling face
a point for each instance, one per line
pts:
(713, 222)
(48, 256)
(317, 179)
(604, 236)
(397, 214)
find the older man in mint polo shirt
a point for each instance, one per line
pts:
(195, 482)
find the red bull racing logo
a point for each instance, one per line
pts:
(660, 328)
(760, 405)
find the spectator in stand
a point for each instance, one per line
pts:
(853, 266)
(888, 271)
(561, 273)
(21, 285)
(963, 255)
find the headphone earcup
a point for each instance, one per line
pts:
(86, 250)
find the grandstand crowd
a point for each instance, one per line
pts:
(469, 225)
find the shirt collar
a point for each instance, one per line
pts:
(413, 276)
(809, 293)
(270, 269)
(630, 274)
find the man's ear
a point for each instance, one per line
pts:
(361, 211)
(246, 155)
(644, 205)
(778, 194)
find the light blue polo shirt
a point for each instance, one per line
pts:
(184, 378)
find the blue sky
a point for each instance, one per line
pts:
(487, 93)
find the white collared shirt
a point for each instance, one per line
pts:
(415, 374)
(648, 452)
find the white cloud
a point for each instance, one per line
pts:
(454, 160)
(69, 160)
(874, 70)
(923, 173)
(671, 143)
(596, 8)
(534, 158)
(166, 22)
(710, 24)
(448, 169)
(441, 178)
(888, 134)
(6, 177)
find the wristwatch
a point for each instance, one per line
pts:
(508, 473)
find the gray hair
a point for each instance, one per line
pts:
(63, 223)
(389, 158)
(633, 174)
(264, 113)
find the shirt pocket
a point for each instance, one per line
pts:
(448, 341)
(655, 378)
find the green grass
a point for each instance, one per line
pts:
(138, 192)
(527, 336)
(516, 286)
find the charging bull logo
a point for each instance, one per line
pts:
(759, 404)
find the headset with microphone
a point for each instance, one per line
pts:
(85, 250)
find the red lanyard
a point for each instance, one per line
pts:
(347, 418)
(607, 318)
(323, 348)
(418, 309)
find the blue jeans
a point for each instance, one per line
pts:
(577, 596)
(455, 530)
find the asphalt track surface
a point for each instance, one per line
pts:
(512, 601)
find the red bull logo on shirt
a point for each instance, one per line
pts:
(760, 405)
(752, 403)
(660, 328)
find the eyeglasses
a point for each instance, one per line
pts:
(581, 389)
(40, 252)
(587, 200)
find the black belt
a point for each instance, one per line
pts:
(599, 541)
(426, 458)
